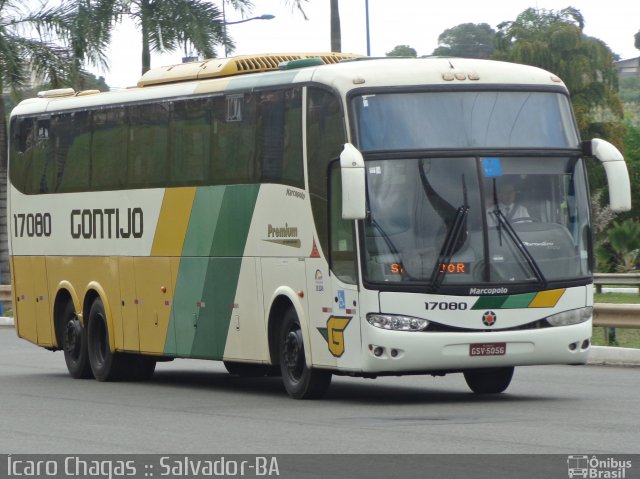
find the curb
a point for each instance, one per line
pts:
(4, 321)
(605, 355)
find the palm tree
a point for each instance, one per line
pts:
(24, 57)
(168, 24)
(88, 35)
(336, 36)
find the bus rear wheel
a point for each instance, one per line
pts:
(489, 380)
(300, 381)
(105, 364)
(74, 344)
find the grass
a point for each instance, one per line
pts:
(622, 337)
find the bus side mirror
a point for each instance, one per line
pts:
(353, 183)
(616, 170)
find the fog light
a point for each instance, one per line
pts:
(573, 346)
(377, 351)
(586, 343)
(394, 353)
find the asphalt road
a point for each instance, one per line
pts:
(196, 407)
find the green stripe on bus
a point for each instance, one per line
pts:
(490, 302)
(518, 301)
(513, 301)
(209, 269)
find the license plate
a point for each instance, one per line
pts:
(488, 349)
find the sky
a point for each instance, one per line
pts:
(416, 23)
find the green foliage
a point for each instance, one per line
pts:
(402, 51)
(636, 39)
(467, 40)
(23, 54)
(624, 242)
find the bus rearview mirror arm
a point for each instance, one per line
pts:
(616, 170)
(353, 183)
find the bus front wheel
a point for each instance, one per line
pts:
(74, 344)
(105, 364)
(300, 381)
(489, 380)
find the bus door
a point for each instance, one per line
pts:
(341, 327)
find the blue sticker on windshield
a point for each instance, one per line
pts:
(491, 167)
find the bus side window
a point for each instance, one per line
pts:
(72, 135)
(233, 139)
(148, 145)
(109, 149)
(343, 260)
(279, 118)
(23, 134)
(39, 172)
(190, 142)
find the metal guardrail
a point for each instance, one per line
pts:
(615, 279)
(604, 314)
(610, 315)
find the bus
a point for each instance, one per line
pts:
(308, 215)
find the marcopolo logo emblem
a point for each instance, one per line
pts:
(489, 318)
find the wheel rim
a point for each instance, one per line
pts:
(293, 354)
(72, 338)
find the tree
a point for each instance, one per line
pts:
(336, 36)
(624, 239)
(166, 25)
(24, 57)
(554, 40)
(402, 51)
(636, 38)
(88, 34)
(467, 40)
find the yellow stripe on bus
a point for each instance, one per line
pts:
(547, 299)
(173, 222)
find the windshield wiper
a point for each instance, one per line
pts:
(502, 221)
(451, 242)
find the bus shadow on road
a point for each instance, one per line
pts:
(345, 390)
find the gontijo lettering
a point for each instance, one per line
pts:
(107, 223)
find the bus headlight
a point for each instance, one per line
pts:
(396, 323)
(574, 316)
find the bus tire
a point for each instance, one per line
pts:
(300, 381)
(74, 344)
(105, 364)
(489, 380)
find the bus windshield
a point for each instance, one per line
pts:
(468, 119)
(476, 220)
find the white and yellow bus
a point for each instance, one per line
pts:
(327, 217)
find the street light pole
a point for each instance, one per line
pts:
(366, 7)
(265, 16)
